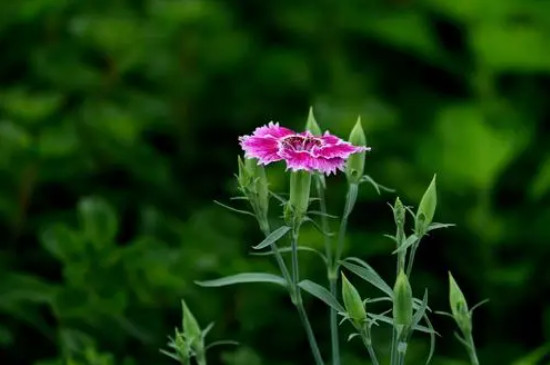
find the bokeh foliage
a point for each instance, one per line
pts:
(119, 124)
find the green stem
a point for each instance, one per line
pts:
(400, 238)
(264, 226)
(297, 298)
(367, 341)
(201, 358)
(351, 198)
(334, 338)
(400, 351)
(332, 275)
(393, 353)
(472, 349)
(324, 221)
(412, 254)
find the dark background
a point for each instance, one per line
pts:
(118, 127)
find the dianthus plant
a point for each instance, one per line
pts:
(311, 157)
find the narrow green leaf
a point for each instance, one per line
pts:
(273, 237)
(289, 250)
(235, 210)
(484, 301)
(411, 240)
(318, 227)
(421, 310)
(352, 336)
(432, 338)
(221, 343)
(379, 188)
(249, 277)
(367, 273)
(321, 214)
(433, 226)
(321, 293)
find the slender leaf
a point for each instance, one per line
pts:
(221, 343)
(377, 187)
(282, 200)
(484, 301)
(249, 277)
(432, 339)
(207, 329)
(273, 237)
(367, 273)
(439, 226)
(289, 250)
(352, 336)
(411, 240)
(235, 210)
(421, 310)
(321, 293)
(321, 214)
(318, 227)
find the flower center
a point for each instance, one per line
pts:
(301, 143)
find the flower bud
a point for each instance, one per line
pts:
(402, 301)
(300, 186)
(191, 328)
(426, 209)
(459, 307)
(353, 303)
(244, 178)
(261, 185)
(399, 213)
(355, 166)
(182, 347)
(312, 125)
(253, 183)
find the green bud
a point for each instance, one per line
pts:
(426, 209)
(399, 213)
(459, 307)
(243, 176)
(182, 347)
(312, 125)
(300, 186)
(402, 300)
(191, 328)
(261, 185)
(353, 303)
(253, 183)
(355, 166)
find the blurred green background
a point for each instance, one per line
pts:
(118, 127)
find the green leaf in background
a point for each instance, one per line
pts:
(367, 273)
(29, 107)
(509, 47)
(321, 293)
(98, 220)
(273, 237)
(534, 358)
(474, 153)
(62, 242)
(251, 277)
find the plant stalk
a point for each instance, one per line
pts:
(472, 349)
(412, 254)
(400, 238)
(297, 297)
(351, 198)
(264, 226)
(367, 341)
(393, 352)
(331, 275)
(201, 358)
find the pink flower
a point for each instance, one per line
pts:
(301, 151)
